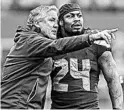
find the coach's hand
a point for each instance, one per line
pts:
(106, 35)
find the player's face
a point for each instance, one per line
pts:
(49, 25)
(73, 22)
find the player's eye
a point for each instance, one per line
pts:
(80, 15)
(69, 16)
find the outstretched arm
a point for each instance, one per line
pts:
(41, 46)
(111, 75)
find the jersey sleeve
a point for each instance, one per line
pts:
(101, 49)
(44, 47)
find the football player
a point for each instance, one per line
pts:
(75, 76)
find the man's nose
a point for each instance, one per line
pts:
(76, 18)
(56, 25)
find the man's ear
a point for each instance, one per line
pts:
(36, 24)
(61, 23)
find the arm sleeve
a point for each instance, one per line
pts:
(44, 47)
(101, 49)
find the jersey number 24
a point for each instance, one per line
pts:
(74, 72)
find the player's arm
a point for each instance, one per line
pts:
(111, 75)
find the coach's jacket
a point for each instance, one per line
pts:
(28, 66)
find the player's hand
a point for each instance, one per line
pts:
(106, 35)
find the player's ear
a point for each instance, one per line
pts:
(61, 23)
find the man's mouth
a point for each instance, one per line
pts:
(54, 32)
(77, 26)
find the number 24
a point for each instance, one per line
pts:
(84, 74)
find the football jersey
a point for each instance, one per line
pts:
(75, 79)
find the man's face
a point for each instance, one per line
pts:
(49, 24)
(73, 22)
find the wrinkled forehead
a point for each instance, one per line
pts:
(49, 14)
(52, 13)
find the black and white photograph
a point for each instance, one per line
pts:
(62, 54)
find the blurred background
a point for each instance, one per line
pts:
(98, 14)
